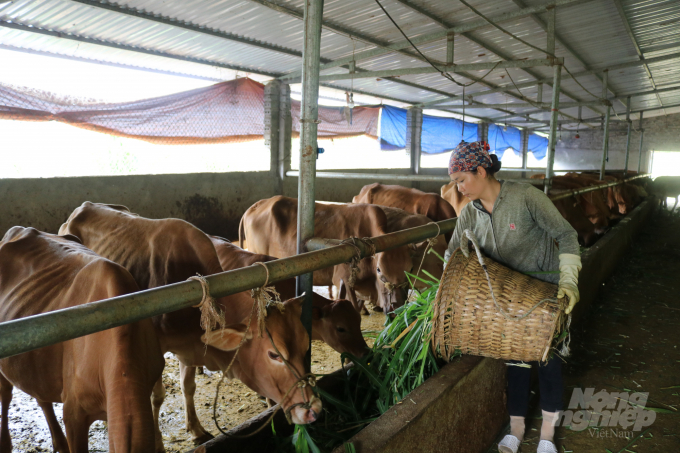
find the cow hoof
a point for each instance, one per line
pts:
(202, 439)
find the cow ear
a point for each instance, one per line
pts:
(226, 339)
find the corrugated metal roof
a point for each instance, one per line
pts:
(266, 36)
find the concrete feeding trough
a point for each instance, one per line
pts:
(441, 414)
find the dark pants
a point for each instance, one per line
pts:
(549, 381)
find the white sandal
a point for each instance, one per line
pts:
(509, 444)
(545, 446)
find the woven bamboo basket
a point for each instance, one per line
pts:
(466, 317)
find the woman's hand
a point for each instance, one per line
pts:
(570, 265)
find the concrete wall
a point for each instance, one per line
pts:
(212, 201)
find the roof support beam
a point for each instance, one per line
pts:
(456, 68)
(543, 106)
(597, 119)
(429, 37)
(566, 76)
(489, 47)
(617, 98)
(631, 35)
(336, 28)
(559, 40)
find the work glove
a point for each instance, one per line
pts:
(570, 265)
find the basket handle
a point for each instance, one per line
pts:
(463, 247)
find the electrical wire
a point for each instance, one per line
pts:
(443, 73)
(504, 30)
(536, 48)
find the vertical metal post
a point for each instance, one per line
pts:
(642, 136)
(272, 129)
(525, 149)
(414, 127)
(630, 127)
(605, 144)
(311, 50)
(449, 48)
(483, 131)
(285, 132)
(550, 48)
(552, 138)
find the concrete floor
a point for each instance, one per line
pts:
(628, 342)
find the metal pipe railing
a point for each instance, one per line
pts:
(37, 331)
(574, 192)
(396, 177)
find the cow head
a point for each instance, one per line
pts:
(338, 324)
(273, 364)
(391, 282)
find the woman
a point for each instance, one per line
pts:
(517, 225)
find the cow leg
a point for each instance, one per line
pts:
(77, 427)
(5, 398)
(157, 398)
(59, 443)
(676, 203)
(330, 291)
(193, 425)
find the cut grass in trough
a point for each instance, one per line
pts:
(401, 360)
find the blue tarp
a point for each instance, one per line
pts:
(538, 145)
(500, 140)
(439, 134)
(392, 128)
(444, 134)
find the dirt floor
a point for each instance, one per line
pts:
(30, 433)
(629, 343)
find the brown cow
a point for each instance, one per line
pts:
(165, 251)
(410, 200)
(336, 323)
(456, 199)
(107, 375)
(397, 220)
(271, 228)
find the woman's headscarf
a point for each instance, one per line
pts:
(469, 156)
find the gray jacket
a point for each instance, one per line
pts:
(526, 231)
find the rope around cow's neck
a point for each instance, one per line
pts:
(263, 298)
(301, 382)
(354, 261)
(564, 351)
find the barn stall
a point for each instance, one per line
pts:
(507, 115)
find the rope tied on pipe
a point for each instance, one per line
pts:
(354, 261)
(265, 297)
(211, 315)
